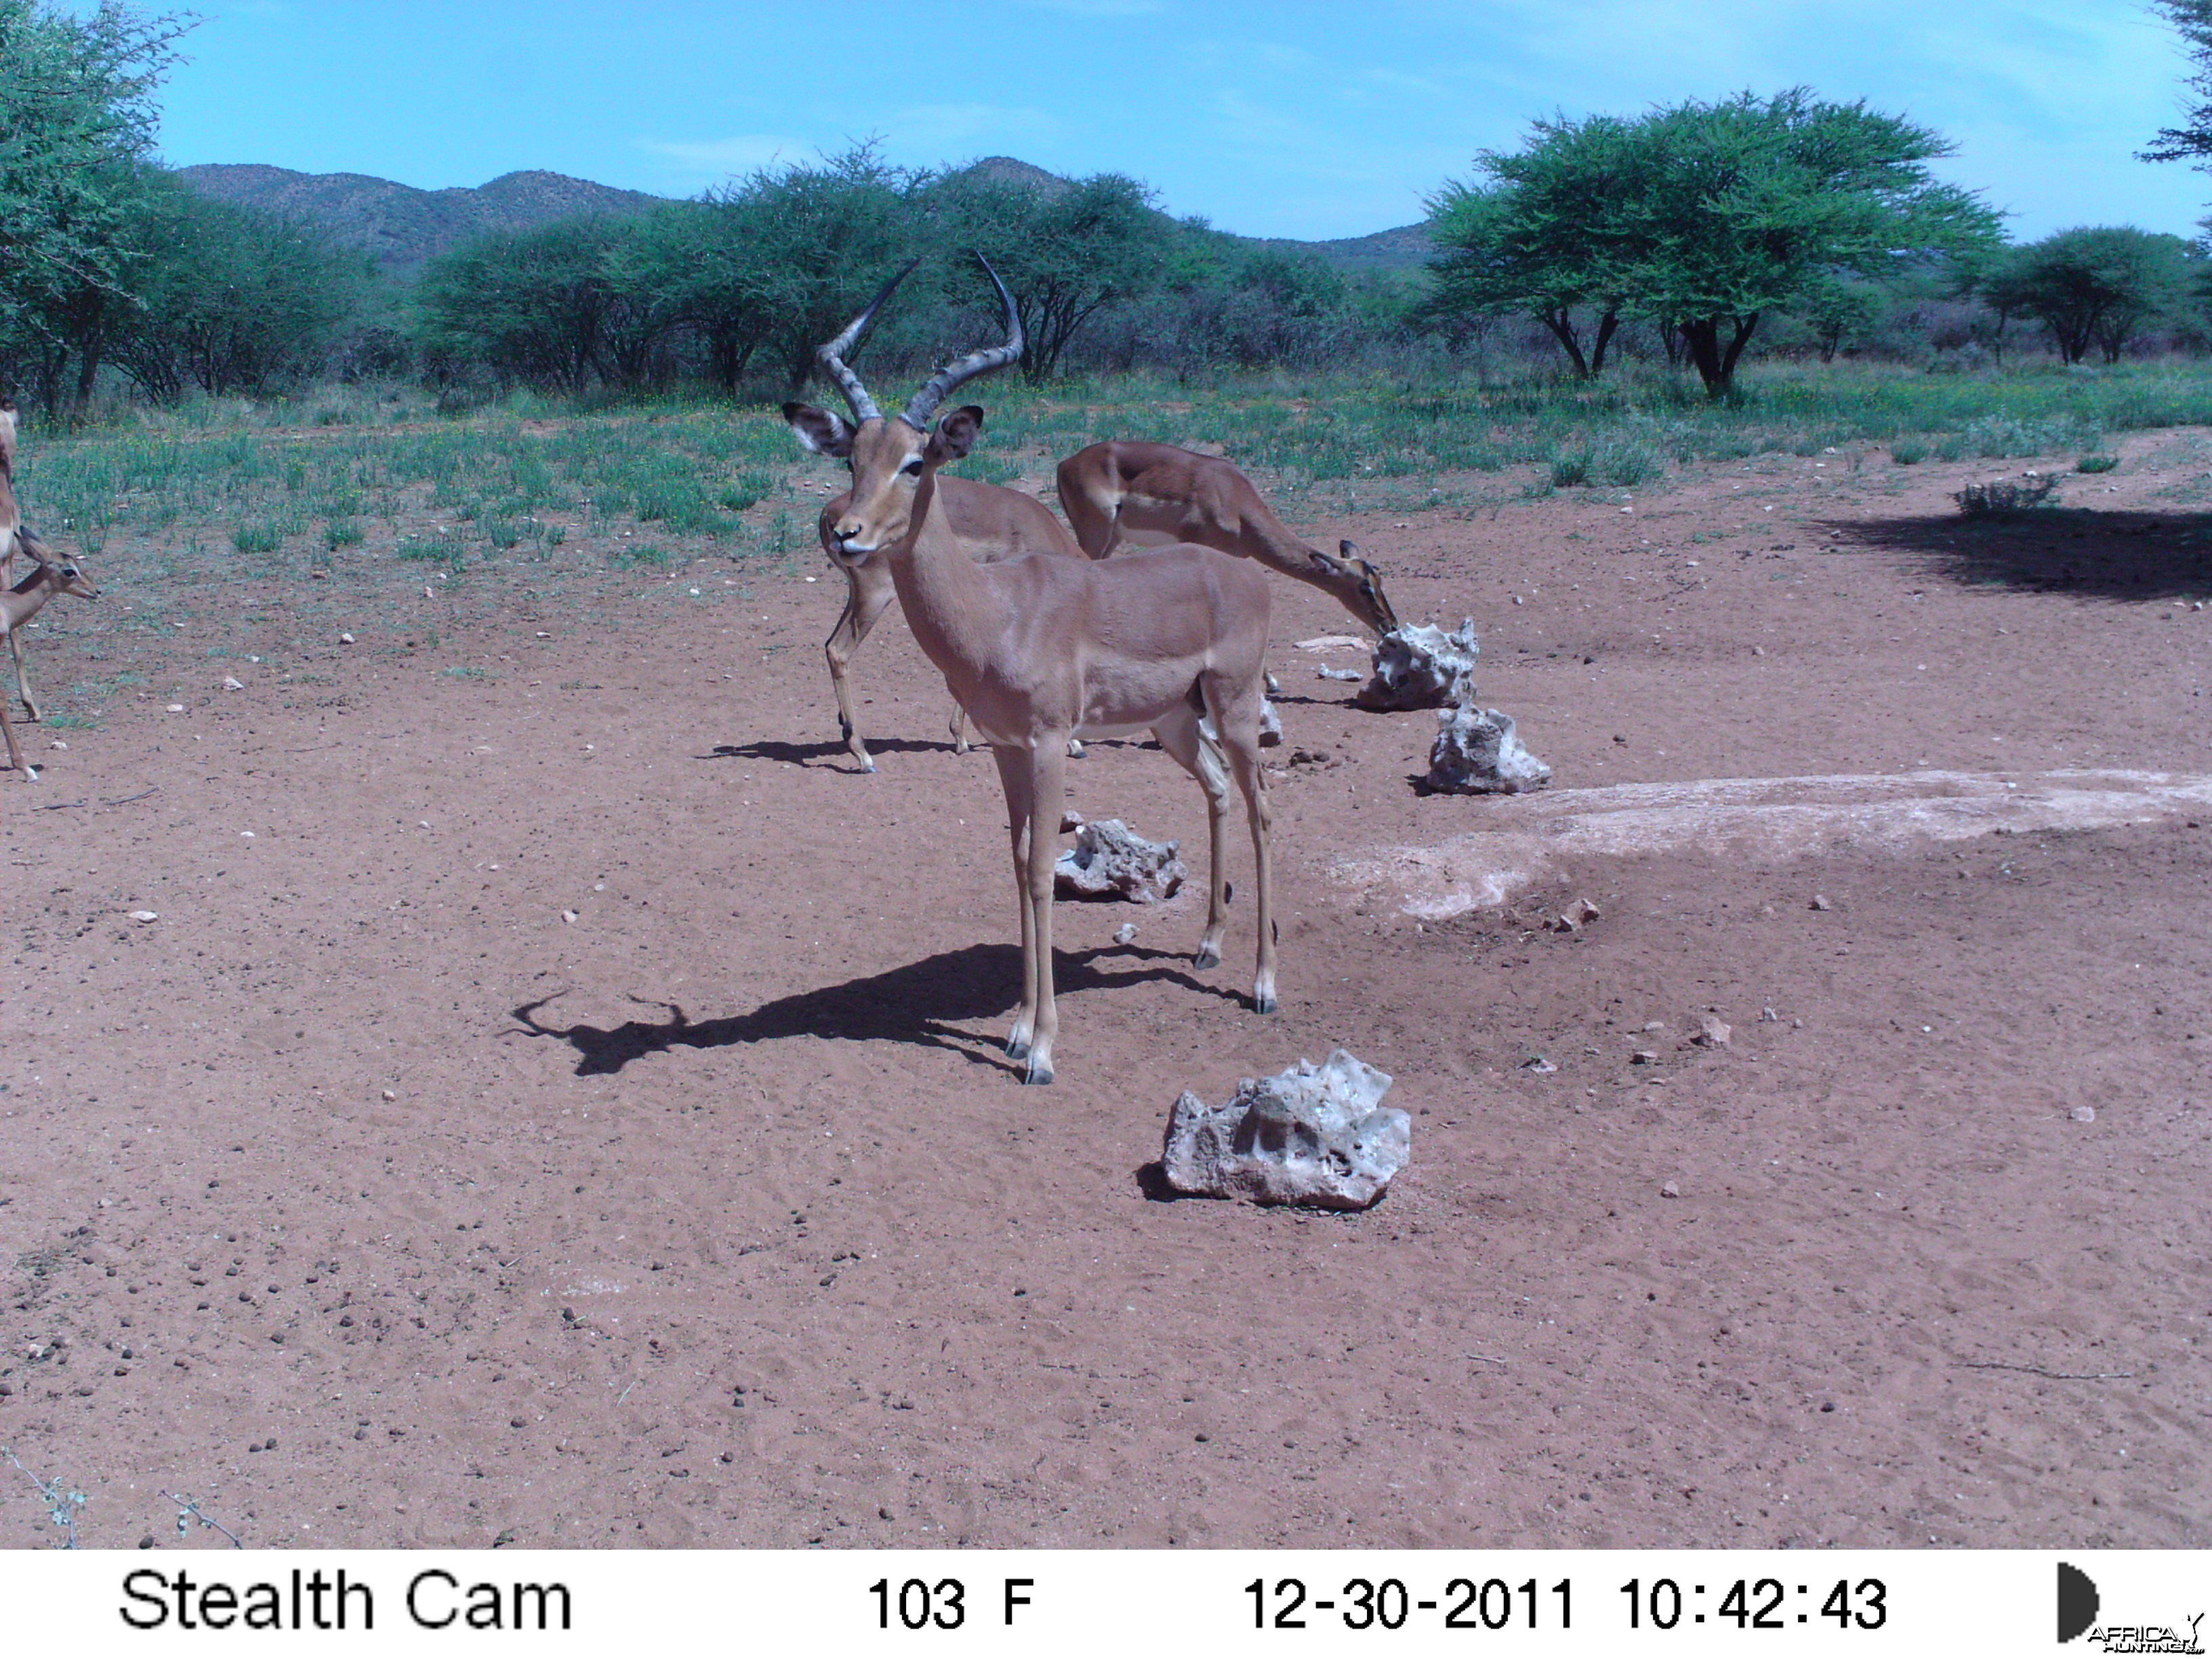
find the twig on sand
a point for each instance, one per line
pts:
(189, 1510)
(127, 800)
(2037, 1371)
(1487, 1358)
(62, 1507)
(58, 806)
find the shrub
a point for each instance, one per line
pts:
(1907, 453)
(1626, 461)
(341, 533)
(2096, 463)
(1570, 468)
(2007, 497)
(256, 536)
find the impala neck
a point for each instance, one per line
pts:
(954, 610)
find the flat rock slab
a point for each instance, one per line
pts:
(1312, 1135)
(1422, 668)
(1110, 861)
(1477, 753)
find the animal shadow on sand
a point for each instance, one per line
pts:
(920, 1003)
(810, 754)
(2112, 554)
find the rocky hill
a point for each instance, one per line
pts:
(403, 226)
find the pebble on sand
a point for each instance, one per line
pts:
(144, 915)
(2083, 1113)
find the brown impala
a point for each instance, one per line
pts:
(1116, 493)
(1041, 650)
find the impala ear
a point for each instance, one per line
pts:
(1324, 563)
(1350, 551)
(818, 431)
(956, 434)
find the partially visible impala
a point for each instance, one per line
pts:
(19, 603)
(1041, 650)
(16, 536)
(992, 524)
(1120, 493)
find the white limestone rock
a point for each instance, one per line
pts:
(1111, 860)
(1477, 753)
(1311, 1134)
(1422, 668)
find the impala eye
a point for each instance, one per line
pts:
(913, 468)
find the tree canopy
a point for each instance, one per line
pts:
(1701, 216)
(2096, 285)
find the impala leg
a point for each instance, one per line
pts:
(959, 724)
(1178, 735)
(1014, 779)
(866, 601)
(1235, 713)
(22, 681)
(1252, 780)
(8, 731)
(1048, 761)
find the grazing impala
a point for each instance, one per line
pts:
(1119, 493)
(1041, 650)
(49, 575)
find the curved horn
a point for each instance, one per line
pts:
(831, 356)
(916, 413)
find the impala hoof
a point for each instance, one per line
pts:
(1038, 1073)
(1263, 1003)
(1017, 1046)
(1207, 956)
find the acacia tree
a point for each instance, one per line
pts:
(230, 299)
(821, 238)
(2192, 139)
(1704, 216)
(1065, 249)
(76, 123)
(1533, 236)
(2096, 285)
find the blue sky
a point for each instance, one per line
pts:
(1290, 118)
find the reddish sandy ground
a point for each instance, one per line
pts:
(369, 1200)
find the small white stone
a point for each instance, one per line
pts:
(390, 1095)
(346, 638)
(567, 916)
(231, 683)
(176, 709)
(144, 915)
(245, 835)
(2083, 1113)
(1670, 1190)
(57, 744)
(1125, 933)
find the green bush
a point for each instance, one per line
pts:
(2096, 463)
(341, 533)
(256, 536)
(1905, 452)
(1570, 467)
(1626, 461)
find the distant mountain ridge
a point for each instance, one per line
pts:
(401, 226)
(398, 224)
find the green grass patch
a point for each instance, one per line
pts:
(2096, 463)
